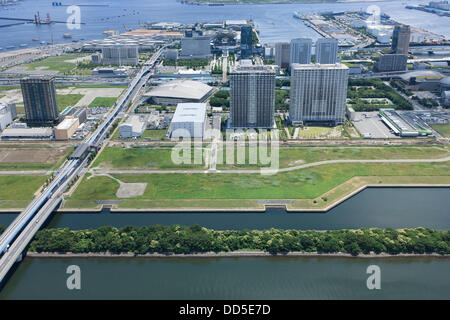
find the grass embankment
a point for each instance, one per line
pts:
(195, 239)
(66, 100)
(306, 184)
(443, 129)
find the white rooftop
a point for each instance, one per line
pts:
(66, 123)
(186, 89)
(190, 112)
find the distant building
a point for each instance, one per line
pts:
(196, 48)
(120, 54)
(282, 54)
(66, 128)
(39, 97)
(318, 93)
(446, 98)
(179, 91)
(134, 127)
(400, 39)
(246, 41)
(80, 113)
(188, 121)
(252, 97)
(300, 51)
(326, 51)
(392, 62)
(13, 110)
(96, 58)
(5, 117)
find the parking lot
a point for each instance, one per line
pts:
(369, 124)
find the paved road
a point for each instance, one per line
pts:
(26, 173)
(303, 166)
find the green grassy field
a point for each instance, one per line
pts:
(301, 184)
(149, 158)
(65, 100)
(443, 129)
(57, 63)
(103, 102)
(294, 156)
(20, 187)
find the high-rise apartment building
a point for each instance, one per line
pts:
(318, 93)
(246, 41)
(39, 97)
(282, 54)
(392, 62)
(300, 51)
(400, 39)
(252, 97)
(326, 51)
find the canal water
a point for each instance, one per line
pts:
(230, 278)
(252, 278)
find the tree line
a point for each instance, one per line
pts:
(196, 239)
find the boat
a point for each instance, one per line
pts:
(35, 39)
(23, 45)
(67, 35)
(10, 47)
(42, 42)
(297, 15)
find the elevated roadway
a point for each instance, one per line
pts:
(17, 236)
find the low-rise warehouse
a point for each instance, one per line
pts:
(180, 91)
(66, 128)
(401, 126)
(27, 133)
(188, 121)
(134, 127)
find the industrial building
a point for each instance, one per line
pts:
(428, 80)
(400, 39)
(118, 54)
(133, 128)
(326, 51)
(196, 47)
(318, 93)
(252, 97)
(39, 97)
(27, 133)
(282, 54)
(300, 51)
(391, 63)
(66, 128)
(179, 91)
(400, 125)
(246, 41)
(188, 121)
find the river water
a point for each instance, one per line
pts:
(275, 22)
(252, 278)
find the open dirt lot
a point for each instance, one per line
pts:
(32, 155)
